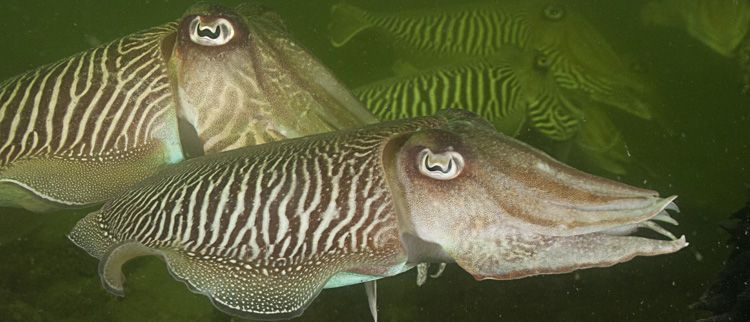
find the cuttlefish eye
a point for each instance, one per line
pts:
(554, 12)
(542, 62)
(215, 33)
(441, 166)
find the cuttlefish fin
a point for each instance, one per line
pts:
(247, 290)
(50, 182)
(371, 288)
(346, 22)
(110, 267)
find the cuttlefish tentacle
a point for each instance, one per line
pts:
(262, 230)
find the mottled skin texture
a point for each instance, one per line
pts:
(261, 230)
(77, 132)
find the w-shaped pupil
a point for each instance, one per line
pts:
(438, 167)
(207, 32)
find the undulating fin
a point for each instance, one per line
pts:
(110, 266)
(346, 22)
(90, 235)
(44, 184)
(249, 291)
(371, 288)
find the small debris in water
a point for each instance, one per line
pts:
(698, 256)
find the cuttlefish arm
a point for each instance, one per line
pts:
(501, 209)
(423, 272)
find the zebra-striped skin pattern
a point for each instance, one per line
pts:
(77, 132)
(554, 116)
(267, 195)
(95, 113)
(96, 104)
(496, 90)
(460, 30)
(281, 218)
(490, 91)
(266, 88)
(580, 58)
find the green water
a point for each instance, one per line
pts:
(697, 150)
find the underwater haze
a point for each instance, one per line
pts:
(693, 141)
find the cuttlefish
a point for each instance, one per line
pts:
(721, 25)
(262, 230)
(579, 57)
(79, 131)
(511, 89)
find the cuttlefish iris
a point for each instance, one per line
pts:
(262, 230)
(79, 131)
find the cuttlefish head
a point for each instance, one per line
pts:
(241, 80)
(501, 209)
(581, 58)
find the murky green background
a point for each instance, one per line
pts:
(698, 150)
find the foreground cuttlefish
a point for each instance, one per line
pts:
(82, 130)
(261, 230)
